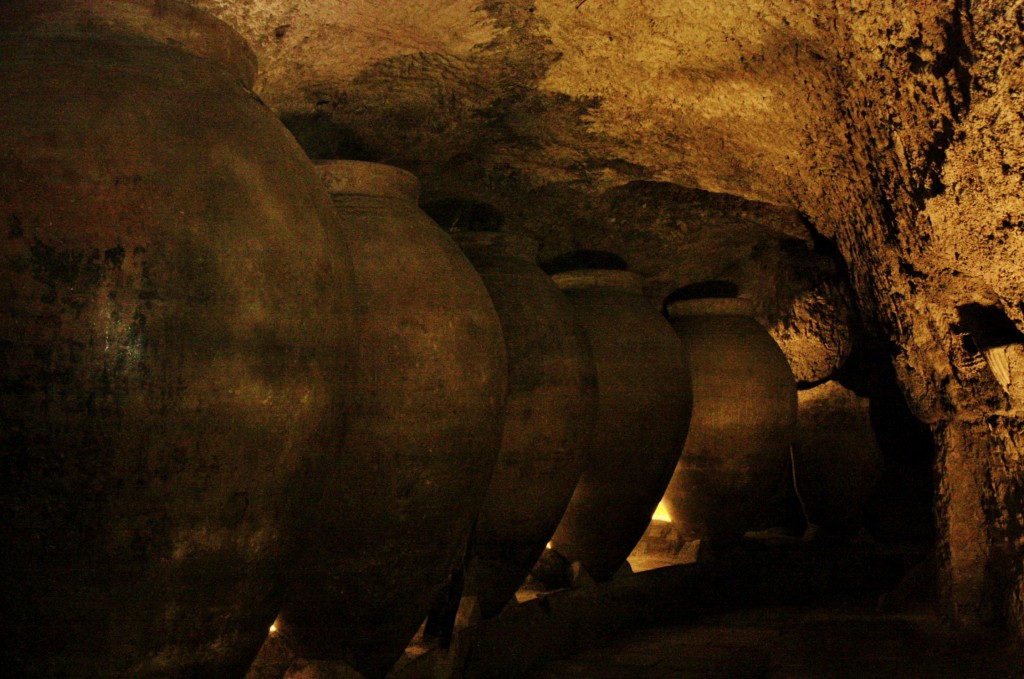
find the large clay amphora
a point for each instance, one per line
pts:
(744, 417)
(175, 327)
(549, 415)
(836, 455)
(423, 435)
(643, 414)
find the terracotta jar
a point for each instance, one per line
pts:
(643, 414)
(175, 327)
(837, 458)
(744, 414)
(424, 430)
(549, 415)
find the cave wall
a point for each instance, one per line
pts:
(930, 196)
(730, 139)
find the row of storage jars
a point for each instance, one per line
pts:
(225, 398)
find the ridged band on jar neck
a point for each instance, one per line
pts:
(599, 278)
(361, 178)
(515, 245)
(167, 22)
(711, 306)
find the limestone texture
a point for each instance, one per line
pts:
(854, 165)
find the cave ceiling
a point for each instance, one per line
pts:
(669, 132)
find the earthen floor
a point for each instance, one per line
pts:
(795, 643)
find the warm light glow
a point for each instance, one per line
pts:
(273, 628)
(661, 514)
(549, 545)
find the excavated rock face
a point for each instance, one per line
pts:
(815, 334)
(731, 140)
(928, 230)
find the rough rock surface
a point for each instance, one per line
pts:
(815, 332)
(689, 135)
